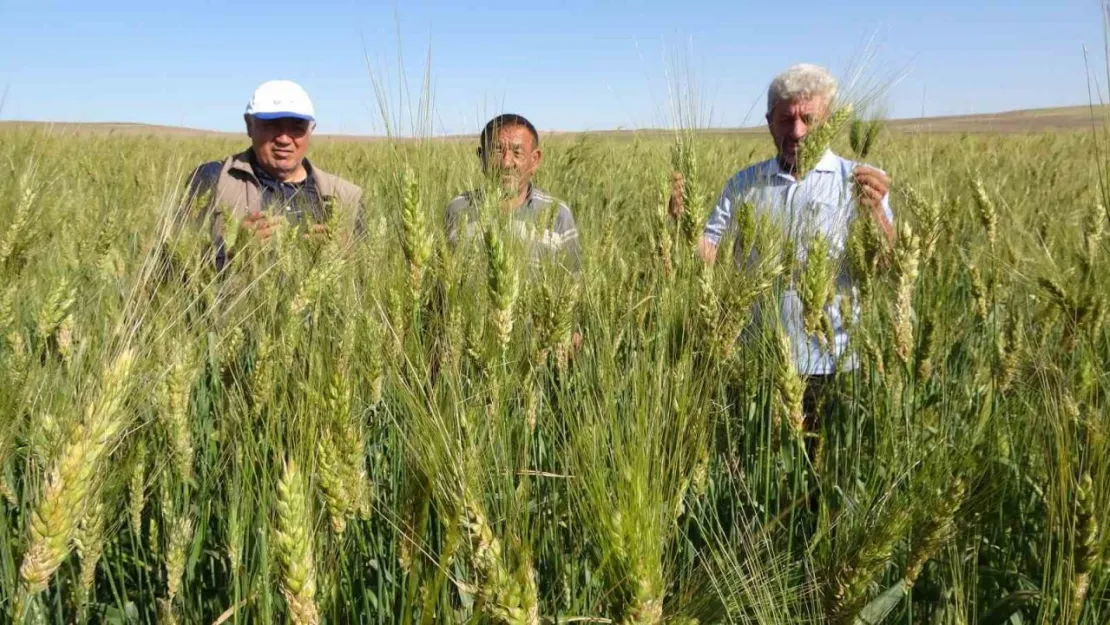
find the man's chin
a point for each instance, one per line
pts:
(280, 166)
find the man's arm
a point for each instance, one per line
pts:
(716, 226)
(453, 218)
(198, 194)
(568, 245)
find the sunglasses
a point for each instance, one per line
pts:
(292, 126)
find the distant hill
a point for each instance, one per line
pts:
(1030, 120)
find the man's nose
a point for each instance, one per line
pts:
(506, 159)
(800, 129)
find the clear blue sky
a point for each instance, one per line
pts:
(570, 65)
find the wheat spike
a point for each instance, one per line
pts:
(175, 409)
(293, 545)
(89, 543)
(16, 233)
(506, 598)
(416, 242)
(988, 215)
(819, 139)
(1085, 550)
(936, 529)
(906, 260)
(180, 537)
(54, 309)
(502, 282)
(136, 489)
(333, 486)
(848, 592)
(791, 389)
(73, 477)
(978, 292)
(816, 289)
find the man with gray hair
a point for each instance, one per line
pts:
(826, 199)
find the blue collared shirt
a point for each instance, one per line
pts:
(823, 201)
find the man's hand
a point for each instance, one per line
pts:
(707, 250)
(318, 233)
(676, 206)
(872, 186)
(261, 226)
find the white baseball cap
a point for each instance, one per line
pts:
(280, 98)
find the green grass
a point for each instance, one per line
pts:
(451, 468)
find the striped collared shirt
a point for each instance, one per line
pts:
(544, 223)
(823, 201)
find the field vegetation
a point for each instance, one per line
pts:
(389, 430)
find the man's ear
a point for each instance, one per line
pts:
(247, 121)
(539, 158)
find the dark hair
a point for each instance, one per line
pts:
(506, 120)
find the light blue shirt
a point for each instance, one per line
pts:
(823, 201)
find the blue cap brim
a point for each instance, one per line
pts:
(283, 114)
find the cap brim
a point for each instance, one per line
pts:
(283, 114)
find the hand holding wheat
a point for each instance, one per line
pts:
(871, 186)
(261, 225)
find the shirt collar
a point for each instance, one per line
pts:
(479, 195)
(828, 163)
(248, 163)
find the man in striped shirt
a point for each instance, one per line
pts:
(509, 151)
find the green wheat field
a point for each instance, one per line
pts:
(390, 430)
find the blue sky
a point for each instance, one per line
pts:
(570, 65)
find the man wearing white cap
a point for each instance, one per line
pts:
(272, 182)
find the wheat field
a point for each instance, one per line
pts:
(390, 430)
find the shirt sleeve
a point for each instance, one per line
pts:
(569, 246)
(359, 226)
(198, 195)
(454, 216)
(721, 217)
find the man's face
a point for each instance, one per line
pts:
(791, 120)
(279, 144)
(512, 156)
